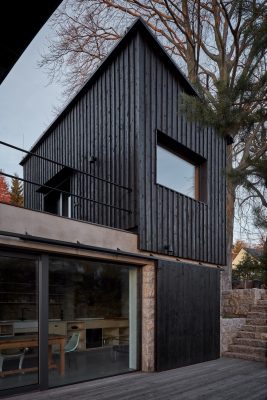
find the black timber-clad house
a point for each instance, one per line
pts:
(161, 178)
(130, 104)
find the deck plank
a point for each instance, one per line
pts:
(222, 379)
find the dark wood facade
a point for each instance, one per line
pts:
(100, 124)
(188, 314)
(115, 118)
(171, 222)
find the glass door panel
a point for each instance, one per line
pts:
(18, 321)
(93, 312)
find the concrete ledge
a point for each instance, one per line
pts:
(43, 225)
(21, 220)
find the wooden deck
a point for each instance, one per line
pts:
(221, 379)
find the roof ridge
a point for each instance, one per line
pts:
(131, 30)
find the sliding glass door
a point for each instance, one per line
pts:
(18, 321)
(93, 312)
(87, 312)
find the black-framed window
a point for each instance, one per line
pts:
(180, 169)
(58, 201)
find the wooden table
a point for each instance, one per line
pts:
(19, 342)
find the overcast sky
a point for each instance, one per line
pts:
(26, 103)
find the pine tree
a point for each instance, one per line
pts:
(248, 269)
(4, 192)
(16, 192)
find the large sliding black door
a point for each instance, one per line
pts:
(188, 314)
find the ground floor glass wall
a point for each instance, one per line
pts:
(19, 355)
(94, 306)
(92, 324)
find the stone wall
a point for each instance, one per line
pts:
(229, 328)
(148, 317)
(238, 302)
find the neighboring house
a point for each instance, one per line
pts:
(255, 254)
(124, 231)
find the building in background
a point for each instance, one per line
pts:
(253, 253)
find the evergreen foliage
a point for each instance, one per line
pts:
(250, 269)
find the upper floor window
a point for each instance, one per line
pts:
(58, 201)
(180, 169)
(175, 173)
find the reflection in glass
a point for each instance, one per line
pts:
(175, 173)
(93, 306)
(18, 322)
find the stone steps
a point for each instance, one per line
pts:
(257, 314)
(259, 309)
(254, 328)
(251, 335)
(262, 302)
(250, 342)
(250, 357)
(256, 351)
(256, 321)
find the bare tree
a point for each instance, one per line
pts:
(221, 46)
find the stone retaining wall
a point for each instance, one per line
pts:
(229, 328)
(238, 302)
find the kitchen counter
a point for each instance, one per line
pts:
(57, 326)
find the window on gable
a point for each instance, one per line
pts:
(180, 169)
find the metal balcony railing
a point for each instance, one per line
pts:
(74, 169)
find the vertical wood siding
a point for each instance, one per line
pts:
(101, 124)
(190, 228)
(116, 121)
(188, 314)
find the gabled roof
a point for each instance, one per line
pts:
(137, 26)
(256, 253)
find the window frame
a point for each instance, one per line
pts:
(184, 153)
(60, 181)
(60, 197)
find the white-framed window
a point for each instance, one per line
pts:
(63, 204)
